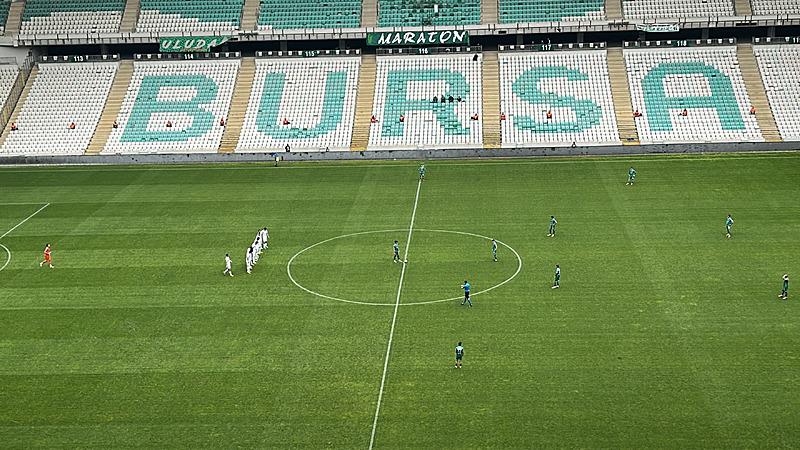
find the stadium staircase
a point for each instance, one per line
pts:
(614, 9)
(369, 13)
(239, 103)
(130, 16)
(250, 11)
(623, 107)
(757, 92)
(116, 95)
(364, 97)
(491, 100)
(14, 20)
(742, 8)
(20, 102)
(489, 11)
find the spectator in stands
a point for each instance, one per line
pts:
(222, 121)
(285, 121)
(549, 115)
(684, 113)
(458, 99)
(441, 100)
(373, 120)
(637, 113)
(752, 110)
(450, 99)
(72, 125)
(115, 125)
(169, 124)
(474, 117)
(502, 116)
(435, 99)
(287, 148)
(402, 118)
(475, 58)
(14, 126)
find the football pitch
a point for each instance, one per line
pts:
(663, 334)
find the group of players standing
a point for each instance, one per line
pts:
(260, 243)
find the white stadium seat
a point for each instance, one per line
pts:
(663, 9)
(779, 66)
(61, 94)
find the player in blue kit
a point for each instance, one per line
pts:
(466, 287)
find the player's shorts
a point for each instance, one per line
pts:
(466, 295)
(47, 258)
(458, 358)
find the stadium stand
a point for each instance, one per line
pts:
(775, 7)
(305, 103)
(556, 98)
(75, 16)
(705, 82)
(658, 9)
(309, 14)
(490, 81)
(5, 5)
(397, 13)
(239, 102)
(518, 11)
(190, 15)
(407, 117)
(174, 107)
(56, 101)
(779, 66)
(8, 76)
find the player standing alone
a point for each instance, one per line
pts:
(47, 257)
(631, 176)
(785, 292)
(494, 250)
(227, 270)
(422, 172)
(728, 226)
(459, 355)
(396, 248)
(466, 287)
(552, 230)
(557, 280)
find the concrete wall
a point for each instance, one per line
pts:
(402, 154)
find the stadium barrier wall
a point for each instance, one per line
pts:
(422, 154)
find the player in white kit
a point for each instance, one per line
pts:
(248, 260)
(265, 237)
(227, 270)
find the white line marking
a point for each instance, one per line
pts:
(9, 257)
(26, 219)
(394, 318)
(418, 230)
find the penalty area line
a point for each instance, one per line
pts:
(394, 318)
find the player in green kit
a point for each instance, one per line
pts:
(728, 226)
(552, 230)
(785, 292)
(422, 172)
(557, 280)
(494, 250)
(631, 176)
(396, 248)
(459, 355)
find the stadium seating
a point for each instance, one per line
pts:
(316, 96)
(519, 11)
(396, 13)
(8, 75)
(309, 14)
(190, 15)
(5, 5)
(74, 16)
(61, 94)
(572, 85)
(706, 82)
(775, 7)
(779, 66)
(405, 86)
(191, 96)
(656, 9)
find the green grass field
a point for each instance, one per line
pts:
(663, 334)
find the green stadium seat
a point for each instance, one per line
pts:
(190, 15)
(309, 14)
(516, 11)
(396, 13)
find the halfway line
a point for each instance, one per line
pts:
(394, 318)
(26, 219)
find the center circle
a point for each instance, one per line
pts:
(8, 253)
(404, 232)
